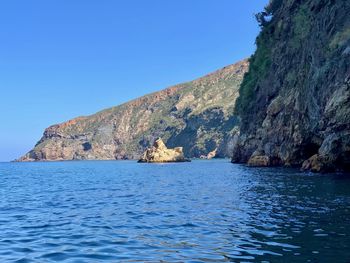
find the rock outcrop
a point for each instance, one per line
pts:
(294, 102)
(259, 161)
(210, 155)
(197, 114)
(159, 153)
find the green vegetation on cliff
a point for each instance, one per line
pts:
(294, 101)
(197, 115)
(260, 64)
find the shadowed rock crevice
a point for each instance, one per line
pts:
(87, 146)
(200, 134)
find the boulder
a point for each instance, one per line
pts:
(319, 164)
(159, 153)
(314, 164)
(259, 161)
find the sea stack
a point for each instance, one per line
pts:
(159, 153)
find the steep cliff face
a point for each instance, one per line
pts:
(294, 102)
(196, 115)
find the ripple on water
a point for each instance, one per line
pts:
(203, 211)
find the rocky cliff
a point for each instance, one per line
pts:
(294, 102)
(197, 115)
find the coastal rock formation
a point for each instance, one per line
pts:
(317, 163)
(159, 153)
(210, 155)
(258, 161)
(197, 114)
(294, 102)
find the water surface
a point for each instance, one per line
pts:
(203, 211)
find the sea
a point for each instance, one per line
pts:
(200, 211)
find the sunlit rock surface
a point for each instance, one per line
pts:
(199, 115)
(159, 153)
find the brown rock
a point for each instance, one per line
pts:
(159, 153)
(313, 164)
(259, 161)
(318, 164)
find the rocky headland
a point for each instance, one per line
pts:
(294, 102)
(198, 115)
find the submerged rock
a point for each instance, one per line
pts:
(159, 153)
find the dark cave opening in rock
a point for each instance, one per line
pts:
(87, 146)
(309, 149)
(344, 161)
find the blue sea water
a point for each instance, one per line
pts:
(203, 211)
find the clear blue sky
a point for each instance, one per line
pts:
(65, 58)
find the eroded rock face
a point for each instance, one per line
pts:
(159, 153)
(198, 115)
(294, 102)
(318, 164)
(259, 161)
(210, 155)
